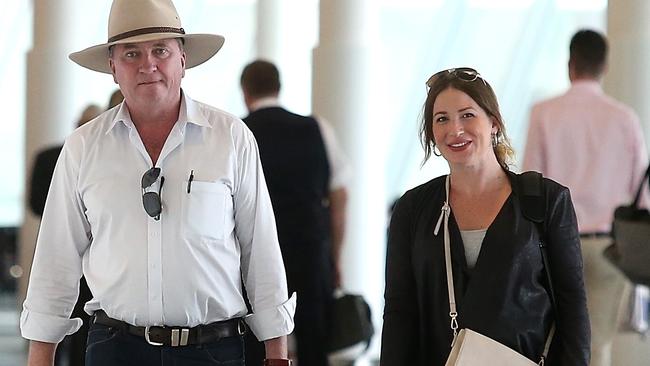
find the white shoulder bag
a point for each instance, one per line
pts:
(470, 348)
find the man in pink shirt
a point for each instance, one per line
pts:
(594, 145)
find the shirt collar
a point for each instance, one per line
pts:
(266, 102)
(122, 115)
(188, 113)
(586, 85)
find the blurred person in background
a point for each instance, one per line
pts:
(44, 165)
(306, 173)
(115, 99)
(594, 145)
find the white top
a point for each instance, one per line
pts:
(472, 241)
(340, 171)
(183, 270)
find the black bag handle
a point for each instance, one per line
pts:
(637, 197)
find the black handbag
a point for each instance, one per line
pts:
(351, 322)
(630, 251)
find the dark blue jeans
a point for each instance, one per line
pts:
(108, 346)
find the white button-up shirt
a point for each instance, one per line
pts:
(185, 269)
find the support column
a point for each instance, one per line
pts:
(628, 80)
(268, 34)
(343, 95)
(628, 77)
(49, 114)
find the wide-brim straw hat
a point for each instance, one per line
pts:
(132, 21)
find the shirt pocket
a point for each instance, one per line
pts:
(204, 210)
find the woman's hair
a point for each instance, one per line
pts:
(471, 83)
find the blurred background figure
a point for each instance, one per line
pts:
(306, 174)
(115, 99)
(594, 145)
(71, 351)
(44, 165)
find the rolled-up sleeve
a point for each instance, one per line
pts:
(63, 237)
(261, 260)
(273, 322)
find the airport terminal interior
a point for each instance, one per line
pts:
(359, 64)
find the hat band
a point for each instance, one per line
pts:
(148, 30)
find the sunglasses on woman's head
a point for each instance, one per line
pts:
(462, 73)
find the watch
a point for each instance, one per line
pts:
(277, 362)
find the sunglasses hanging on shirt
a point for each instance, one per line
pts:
(151, 200)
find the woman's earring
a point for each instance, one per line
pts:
(438, 153)
(495, 139)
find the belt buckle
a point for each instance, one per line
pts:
(241, 328)
(146, 337)
(180, 336)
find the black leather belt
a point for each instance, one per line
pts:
(177, 336)
(595, 235)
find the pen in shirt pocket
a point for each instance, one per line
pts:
(189, 181)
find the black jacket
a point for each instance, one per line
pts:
(504, 296)
(297, 175)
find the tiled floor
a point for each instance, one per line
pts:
(13, 348)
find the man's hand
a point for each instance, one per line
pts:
(41, 354)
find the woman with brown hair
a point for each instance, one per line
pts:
(499, 278)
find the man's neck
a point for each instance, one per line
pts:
(154, 126)
(582, 78)
(153, 116)
(263, 102)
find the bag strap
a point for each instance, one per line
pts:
(637, 197)
(533, 207)
(444, 215)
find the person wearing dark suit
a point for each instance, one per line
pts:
(42, 171)
(44, 164)
(499, 281)
(72, 349)
(305, 175)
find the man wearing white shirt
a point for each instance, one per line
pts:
(161, 203)
(306, 173)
